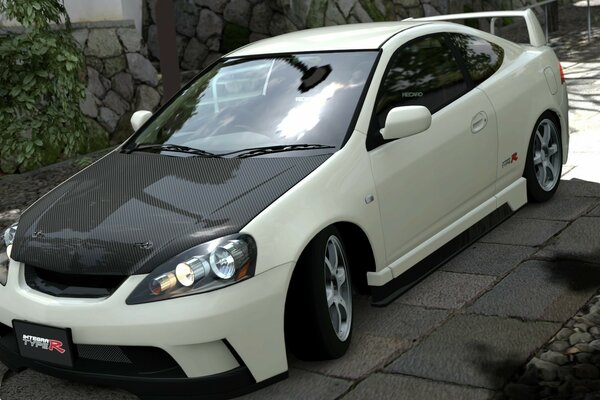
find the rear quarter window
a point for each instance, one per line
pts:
(482, 58)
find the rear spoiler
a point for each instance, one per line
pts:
(534, 29)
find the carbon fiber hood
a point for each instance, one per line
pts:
(129, 213)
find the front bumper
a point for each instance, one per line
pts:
(223, 343)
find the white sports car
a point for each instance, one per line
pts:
(238, 220)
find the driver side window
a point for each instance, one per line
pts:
(422, 72)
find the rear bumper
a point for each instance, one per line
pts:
(221, 341)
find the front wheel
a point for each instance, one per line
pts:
(544, 159)
(318, 314)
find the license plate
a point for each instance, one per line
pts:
(44, 343)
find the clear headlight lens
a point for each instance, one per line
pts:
(6, 242)
(209, 266)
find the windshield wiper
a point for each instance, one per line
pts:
(259, 151)
(171, 147)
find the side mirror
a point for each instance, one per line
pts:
(406, 121)
(139, 118)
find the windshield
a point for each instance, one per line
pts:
(272, 101)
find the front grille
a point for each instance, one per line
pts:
(126, 361)
(72, 285)
(146, 360)
(112, 354)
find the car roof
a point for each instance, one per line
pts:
(365, 36)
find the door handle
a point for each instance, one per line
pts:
(479, 122)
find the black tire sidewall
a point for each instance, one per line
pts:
(312, 335)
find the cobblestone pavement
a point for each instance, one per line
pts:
(490, 323)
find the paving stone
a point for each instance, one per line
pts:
(346, 6)
(103, 43)
(238, 12)
(261, 16)
(186, 15)
(541, 290)
(194, 55)
(580, 241)
(215, 5)
(209, 25)
(142, 69)
(555, 357)
(122, 83)
(448, 290)
(396, 320)
(595, 212)
(95, 85)
(579, 338)
(559, 346)
(113, 66)
(518, 391)
(81, 37)
(577, 187)
(361, 14)
(564, 333)
(488, 259)
(108, 119)
(146, 98)
(586, 371)
(333, 15)
(475, 350)
(131, 39)
(546, 370)
(116, 103)
(88, 105)
(396, 387)
(366, 354)
(524, 231)
(34, 385)
(302, 385)
(558, 208)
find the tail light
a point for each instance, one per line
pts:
(562, 73)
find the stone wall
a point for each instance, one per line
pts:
(120, 78)
(206, 29)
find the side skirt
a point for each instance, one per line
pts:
(384, 295)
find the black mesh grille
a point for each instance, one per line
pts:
(126, 361)
(112, 354)
(71, 285)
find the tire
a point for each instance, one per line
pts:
(309, 321)
(543, 165)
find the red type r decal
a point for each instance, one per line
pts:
(513, 158)
(43, 343)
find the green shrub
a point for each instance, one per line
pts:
(40, 87)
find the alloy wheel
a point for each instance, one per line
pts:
(338, 288)
(547, 155)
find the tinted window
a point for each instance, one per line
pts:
(270, 101)
(423, 72)
(482, 58)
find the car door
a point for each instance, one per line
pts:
(427, 181)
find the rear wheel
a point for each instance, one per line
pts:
(544, 159)
(318, 315)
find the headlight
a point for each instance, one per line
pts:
(6, 242)
(209, 266)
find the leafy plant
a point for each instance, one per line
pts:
(40, 87)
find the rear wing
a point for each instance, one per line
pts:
(534, 29)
